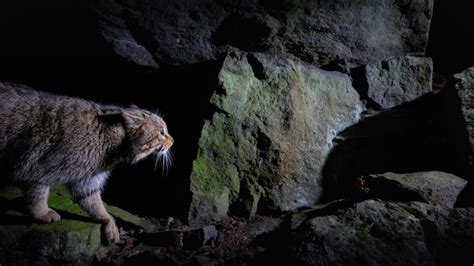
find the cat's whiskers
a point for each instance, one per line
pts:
(157, 158)
(165, 156)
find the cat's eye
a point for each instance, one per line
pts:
(162, 132)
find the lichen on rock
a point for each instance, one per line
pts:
(271, 133)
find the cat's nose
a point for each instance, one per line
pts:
(171, 140)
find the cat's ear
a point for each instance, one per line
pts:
(132, 118)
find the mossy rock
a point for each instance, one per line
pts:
(263, 151)
(60, 200)
(73, 240)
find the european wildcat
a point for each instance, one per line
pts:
(47, 139)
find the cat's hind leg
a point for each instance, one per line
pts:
(36, 197)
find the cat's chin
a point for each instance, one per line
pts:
(143, 155)
(139, 157)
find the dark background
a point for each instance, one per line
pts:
(54, 46)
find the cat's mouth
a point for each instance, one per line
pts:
(161, 152)
(163, 148)
(166, 146)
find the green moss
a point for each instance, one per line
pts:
(234, 180)
(61, 190)
(55, 200)
(66, 225)
(63, 203)
(362, 239)
(204, 176)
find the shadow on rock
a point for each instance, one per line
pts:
(424, 135)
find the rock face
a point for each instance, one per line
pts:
(184, 32)
(66, 241)
(435, 188)
(69, 240)
(375, 232)
(264, 148)
(73, 240)
(465, 88)
(394, 81)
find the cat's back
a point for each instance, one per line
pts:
(34, 118)
(17, 104)
(44, 132)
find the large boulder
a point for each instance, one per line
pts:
(465, 89)
(72, 240)
(422, 135)
(435, 188)
(394, 81)
(462, 123)
(264, 148)
(449, 233)
(375, 232)
(184, 32)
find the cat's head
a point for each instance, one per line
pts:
(146, 134)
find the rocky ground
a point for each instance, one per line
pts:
(78, 240)
(307, 132)
(391, 219)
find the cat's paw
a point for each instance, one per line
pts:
(48, 217)
(111, 232)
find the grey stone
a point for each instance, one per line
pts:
(370, 233)
(418, 136)
(124, 217)
(197, 238)
(465, 89)
(448, 232)
(395, 81)
(68, 241)
(186, 32)
(265, 146)
(435, 188)
(188, 238)
(375, 232)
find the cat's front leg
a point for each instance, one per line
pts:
(95, 208)
(36, 197)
